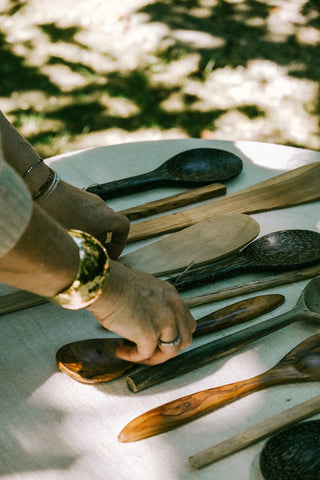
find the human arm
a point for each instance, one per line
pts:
(68, 205)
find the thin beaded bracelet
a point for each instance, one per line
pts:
(29, 170)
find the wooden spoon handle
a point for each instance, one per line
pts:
(184, 409)
(257, 432)
(295, 187)
(175, 201)
(125, 186)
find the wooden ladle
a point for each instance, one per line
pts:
(281, 250)
(302, 364)
(198, 166)
(95, 361)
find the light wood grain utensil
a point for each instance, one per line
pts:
(256, 433)
(302, 364)
(202, 243)
(295, 187)
(175, 201)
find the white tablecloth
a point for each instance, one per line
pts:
(53, 428)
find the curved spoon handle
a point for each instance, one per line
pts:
(126, 186)
(190, 407)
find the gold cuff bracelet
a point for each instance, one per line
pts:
(92, 273)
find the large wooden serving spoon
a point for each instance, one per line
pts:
(306, 308)
(295, 187)
(302, 364)
(95, 361)
(198, 166)
(277, 251)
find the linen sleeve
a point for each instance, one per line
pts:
(15, 207)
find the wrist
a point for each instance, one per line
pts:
(92, 273)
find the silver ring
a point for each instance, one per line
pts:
(174, 342)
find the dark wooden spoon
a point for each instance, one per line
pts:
(95, 361)
(281, 250)
(198, 166)
(293, 453)
(302, 364)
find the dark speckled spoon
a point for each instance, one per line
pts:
(195, 167)
(293, 454)
(277, 251)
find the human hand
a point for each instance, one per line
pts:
(143, 309)
(79, 209)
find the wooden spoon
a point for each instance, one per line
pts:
(295, 187)
(95, 361)
(307, 308)
(293, 454)
(281, 250)
(198, 166)
(302, 364)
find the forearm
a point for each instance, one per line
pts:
(44, 261)
(20, 155)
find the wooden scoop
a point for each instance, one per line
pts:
(295, 187)
(302, 364)
(95, 361)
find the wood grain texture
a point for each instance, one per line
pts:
(302, 364)
(256, 433)
(202, 243)
(295, 187)
(175, 201)
(307, 308)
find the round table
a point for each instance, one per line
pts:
(54, 428)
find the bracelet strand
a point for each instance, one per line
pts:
(29, 170)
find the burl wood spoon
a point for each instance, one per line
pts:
(95, 361)
(198, 166)
(302, 364)
(276, 251)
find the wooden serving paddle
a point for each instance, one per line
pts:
(175, 201)
(256, 433)
(202, 243)
(295, 187)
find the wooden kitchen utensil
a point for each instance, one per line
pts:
(306, 308)
(277, 251)
(198, 166)
(302, 364)
(256, 433)
(295, 187)
(95, 361)
(204, 242)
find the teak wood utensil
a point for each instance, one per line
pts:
(306, 308)
(95, 361)
(175, 201)
(293, 454)
(198, 166)
(302, 364)
(276, 251)
(256, 433)
(204, 242)
(295, 187)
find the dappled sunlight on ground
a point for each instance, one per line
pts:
(110, 72)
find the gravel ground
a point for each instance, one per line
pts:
(83, 74)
